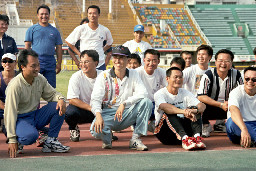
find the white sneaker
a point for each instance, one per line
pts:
(75, 134)
(137, 145)
(151, 126)
(207, 129)
(106, 146)
(54, 146)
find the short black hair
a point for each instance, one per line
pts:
(91, 53)
(249, 69)
(180, 61)
(4, 18)
(254, 51)
(152, 52)
(205, 47)
(226, 51)
(94, 6)
(84, 20)
(43, 6)
(135, 56)
(186, 53)
(169, 71)
(23, 57)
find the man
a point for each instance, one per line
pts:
(137, 45)
(241, 126)
(77, 45)
(178, 62)
(134, 62)
(153, 78)
(91, 36)
(187, 56)
(79, 93)
(9, 63)
(179, 116)
(43, 38)
(214, 90)
(7, 43)
(21, 116)
(192, 75)
(118, 101)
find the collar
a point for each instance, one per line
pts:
(113, 74)
(216, 73)
(25, 82)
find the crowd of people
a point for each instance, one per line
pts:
(176, 105)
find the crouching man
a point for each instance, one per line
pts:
(118, 101)
(241, 123)
(21, 116)
(179, 113)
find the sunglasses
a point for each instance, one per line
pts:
(248, 79)
(8, 61)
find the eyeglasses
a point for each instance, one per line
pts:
(8, 61)
(84, 62)
(220, 61)
(248, 79)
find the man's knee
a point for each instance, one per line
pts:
(71, 111)
(28, 137)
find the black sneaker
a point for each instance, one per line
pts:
(75, 134)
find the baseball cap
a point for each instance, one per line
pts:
(121, 50)
(10, 56)
(139, 28)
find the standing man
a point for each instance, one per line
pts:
(21, 116)
(137, 45)
(7, 43)
(187, 56)
(241, 123)
(192, 75)
(91, 36)
(118, 101)
(43, 38)
(79, 93)
(214, 90)
(178, 62)
(77, 45)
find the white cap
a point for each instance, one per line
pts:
(10, 56)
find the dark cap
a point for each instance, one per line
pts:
(121, 50)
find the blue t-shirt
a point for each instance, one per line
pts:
(43, 39)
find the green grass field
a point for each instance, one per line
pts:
(62, 80)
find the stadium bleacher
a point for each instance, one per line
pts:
(218, 23)
(176, 18)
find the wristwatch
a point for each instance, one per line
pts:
(124, 104)
(194, 107)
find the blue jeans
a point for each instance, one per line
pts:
(50, 75)
(28, 124)
(234, 132)
(138, 113)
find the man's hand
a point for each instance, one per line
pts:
(225, 106)
(12, 149)
(58, 68)
(98, 124)
(190, 114)
(245, 138)
(61, 105)
(119, 112)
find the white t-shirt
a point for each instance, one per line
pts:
(91, 39)
(191, 78)
(138, 48)
(152, 82)
(246, 104)
(182, 100)
(80, 86)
